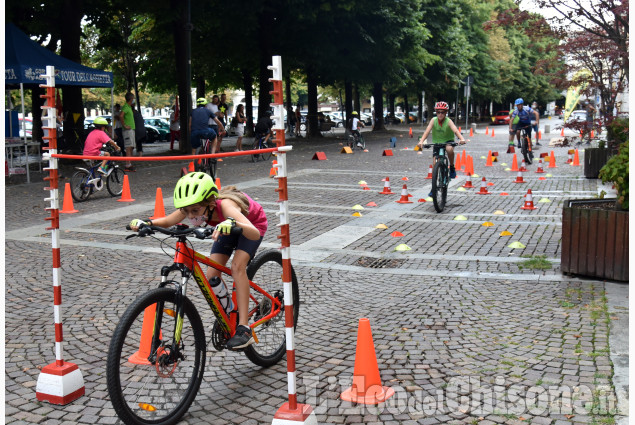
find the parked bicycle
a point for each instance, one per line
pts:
(440, 175)
(153, 377)
(259, 143)
(526, 145)
(86, 181)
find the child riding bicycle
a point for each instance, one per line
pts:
(525, 116)
(197, 198)
(443, 131)
(95, 142)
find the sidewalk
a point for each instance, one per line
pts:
(465, 330)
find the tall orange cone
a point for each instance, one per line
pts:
(552, 161)
(488, 161)
(487, 130)
(519, 178)
(366, 388)
(492, 132)
(592, 134)
(125, 194)
(539, 135)
(483, 190)
(404, 196)
(429, 173)
(463, 157)
(540, 170)
(460, 131)
(529, 201)
(469, 168)
(468, 183)
(471, 132)
(159, 209)
(145, 343)
(457, 162)
(387, 190)
(190, 167)
(67, 206)
(562, 132)
(576, 159)
(410, 132)
(514, 163)
(218, 183)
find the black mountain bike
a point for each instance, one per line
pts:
(440, 175)
(526, 146)
(259, 143)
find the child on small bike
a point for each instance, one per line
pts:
(197, 198)
(95, 142)
(443, 131)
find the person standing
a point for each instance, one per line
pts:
(175, 128)
(140, 133)
(534, 124)
(223, 109)
(240, 126)
(298, 120)
(590, 115)
(127, 119)
(118, 129)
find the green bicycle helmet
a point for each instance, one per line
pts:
(100, 121)
(193, 188)
(354, 113)
(201, 101)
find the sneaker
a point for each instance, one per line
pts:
(102, 171)
(538, 144)
(452, 173)
(359, 145)
(430, 194)
(242, 339)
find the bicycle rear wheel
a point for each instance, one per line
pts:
(80, 188)
(265, 270)
(527, 154)
(256, 146)
(266, 156)
(160, 392)
(439, 185)
(114, 182)
(362, 142)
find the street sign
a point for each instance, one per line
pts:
(469, 80)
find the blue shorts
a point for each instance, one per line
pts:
(195, 138)
(226, 244)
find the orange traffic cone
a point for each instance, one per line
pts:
(576, 159)
(190, 167)
(492, 132)
(218, 183)
(592, 134)
(159, 209)
(67, 206)
(387, 190)
(562, 132)
(366, 388)
(410, 132)
(483, 190)
(529, 202)
(511, 149)
(145, 343)
(404, 196)
(487, 130)
(457, 162)
(273, 172)
(569, 156)
(519, 177)
(540, 170)
(125, 195)
(463, 157)
(460, 131)
(488, 161)
(539, 135)
(471, 132)
(469, 168)
(429, 173)
(514, 163)
(523, 166)
(468, 183)
(552, 160)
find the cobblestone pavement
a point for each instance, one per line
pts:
(465, 330)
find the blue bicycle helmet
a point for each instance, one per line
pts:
(519, 101)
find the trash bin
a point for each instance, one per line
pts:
(473, 125)
(547, 129)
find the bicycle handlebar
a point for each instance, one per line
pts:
(179, 230)
(429, 145)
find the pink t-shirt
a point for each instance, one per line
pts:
(256, 215)
(94, 142)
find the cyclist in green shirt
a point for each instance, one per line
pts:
(443, 131)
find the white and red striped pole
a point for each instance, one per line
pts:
(60, 382)
(291, 412)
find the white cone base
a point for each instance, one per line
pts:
(303, 415)
(60, 384)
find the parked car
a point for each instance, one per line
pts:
(579, 115)
(366, 118)
(336, 117)
(501, 117)
(160, 124)
(389, 119)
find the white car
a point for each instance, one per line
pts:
(578, 115)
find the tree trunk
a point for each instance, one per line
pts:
(181, 34)
(378, 92)
(313, 129)
(348, 99)
(249, 106)
(200, 86)
(420, 106)
(71, 15)
(406, 108)
(356, 103)
(287, 96)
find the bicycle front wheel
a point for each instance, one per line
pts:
(526, 153)
(159, 391)
(114, 183)
(439, 185)
(265, 270)
(80, 188)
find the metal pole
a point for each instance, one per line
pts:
(26, 146)
(467, 104)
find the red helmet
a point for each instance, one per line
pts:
(441, 105)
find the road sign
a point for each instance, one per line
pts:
(469, 80)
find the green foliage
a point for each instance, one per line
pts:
(538, 262)
(616, 171)
(617, 130)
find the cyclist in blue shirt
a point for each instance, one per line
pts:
(199, 128)
(525, 115)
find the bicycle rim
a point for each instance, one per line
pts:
(147, 393)
(114, 183)
(80, 189)
(437, 186)
(265, 270)
(526, 153)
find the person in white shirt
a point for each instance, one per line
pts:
(355, 125)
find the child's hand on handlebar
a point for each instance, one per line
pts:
(135, 223)
(224, 228)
